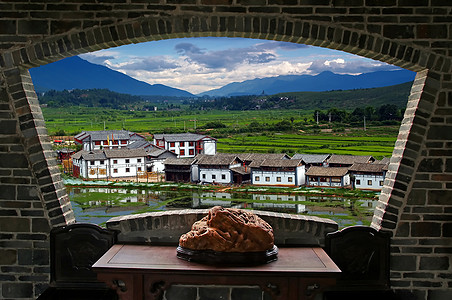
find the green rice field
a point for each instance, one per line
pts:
(377, 146)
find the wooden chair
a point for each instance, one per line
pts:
(362, 253)
(73, 250)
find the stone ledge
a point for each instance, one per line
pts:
(167, 226)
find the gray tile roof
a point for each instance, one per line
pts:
(90, 155)
(349, 159)
(224, 159)
(311, 158)
(179, 137)
(326, 171)
(261, 156)
(179, 161)
(367, 168)
(124, 153)
(103, 134)
(241, 170)
(276, 163)
(139, 144)
(384, 160)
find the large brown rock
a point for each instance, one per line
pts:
(229, 230)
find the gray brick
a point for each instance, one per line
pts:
(403, 263)
(17, 290)
(434, 263)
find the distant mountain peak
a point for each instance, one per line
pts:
(77, 73)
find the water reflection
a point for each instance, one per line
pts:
(98, 204)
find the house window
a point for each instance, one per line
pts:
(191, 151)
(203, 176)
(127, 161)
(358, 181)
(369, 182)
(123, 142)
(191, 144)
(381, 182)
(182, 152)
(115, 170)
(139, 169)
(102, 162)
(91, 163)
(223, 176)
(267, 178)
(278, 179)
(127, 170)
(115, 161)
(105, 142)
(138, 160)
(290, 179)
(97, 143)
(214, 176)
(172, 144)
(257, 178)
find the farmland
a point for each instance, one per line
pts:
(240, 131)
(375, 145)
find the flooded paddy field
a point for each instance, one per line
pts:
(97, 204)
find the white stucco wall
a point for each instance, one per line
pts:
(259, 177)
(368, 182)
(215, 175)
(210, 147)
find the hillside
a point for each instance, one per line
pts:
(88, 98)
(76, 73)
(348, 100)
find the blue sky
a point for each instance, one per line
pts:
(201, 64)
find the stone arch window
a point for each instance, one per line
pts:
(415, 201)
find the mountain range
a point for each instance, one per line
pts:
(77, 73)
(325, 81)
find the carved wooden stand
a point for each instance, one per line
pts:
(145, 272)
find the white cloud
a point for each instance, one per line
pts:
(197, 69)
(353, 66)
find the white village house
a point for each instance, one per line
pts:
(216, 169)
(328, 177)
(282, 172)
(106, 139)
(109, 163)
(368, 176)
(186, 144)
(155, 155)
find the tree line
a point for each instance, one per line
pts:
(386, 112)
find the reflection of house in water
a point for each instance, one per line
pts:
(211, 199)
(289, 207)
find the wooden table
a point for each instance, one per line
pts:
(145, 272)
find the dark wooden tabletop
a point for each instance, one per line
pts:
(303, 261)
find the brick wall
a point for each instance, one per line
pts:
(415, 34)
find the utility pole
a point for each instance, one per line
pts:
(317, 118)
(364, 123)
(329, 117)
